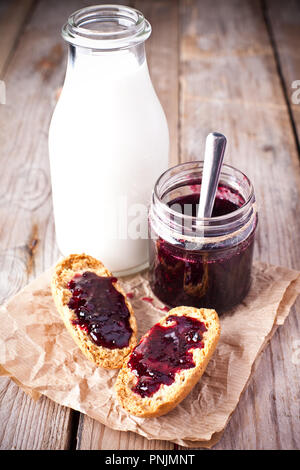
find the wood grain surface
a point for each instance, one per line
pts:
(27, 239)
(225, 66)
(13, 15)
(284, 25)
(230, 83)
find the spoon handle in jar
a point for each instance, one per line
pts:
(213, 159)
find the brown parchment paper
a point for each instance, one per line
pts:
(37, 352)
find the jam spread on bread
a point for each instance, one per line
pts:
(101, 310)
(165, 351)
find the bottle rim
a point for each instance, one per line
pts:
(106, 27)
(221, 227)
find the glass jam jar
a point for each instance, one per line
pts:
(201, 262)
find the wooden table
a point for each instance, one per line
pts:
(225, 65)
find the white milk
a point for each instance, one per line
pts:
(108, 143)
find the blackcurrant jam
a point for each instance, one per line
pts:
(101, 310)
(165, 351)
(201, 262)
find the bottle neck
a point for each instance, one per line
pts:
(106, 27)
(90, 63)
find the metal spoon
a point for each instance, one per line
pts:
(213, 159)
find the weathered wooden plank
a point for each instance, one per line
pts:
(29, 425)
(27, 241)
(229, 83)
(12, 17)
(162, 57)
(284, 21)
(93, 435)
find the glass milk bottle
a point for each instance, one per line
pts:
(108, 139)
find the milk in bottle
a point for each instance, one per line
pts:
(108, 139)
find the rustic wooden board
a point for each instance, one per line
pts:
(163, 61)
(27, 242)
(92, 435)
(12, 17)
(229, 83)
(162, 57)
(29, 425)
(284, 22)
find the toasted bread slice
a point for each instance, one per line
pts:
(168, 396)
(64, 272)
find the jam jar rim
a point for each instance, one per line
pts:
(218, 218)
(75, 33)
(213, 228)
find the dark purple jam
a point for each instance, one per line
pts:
(101, 310)
(165, 351)
(218, 278)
